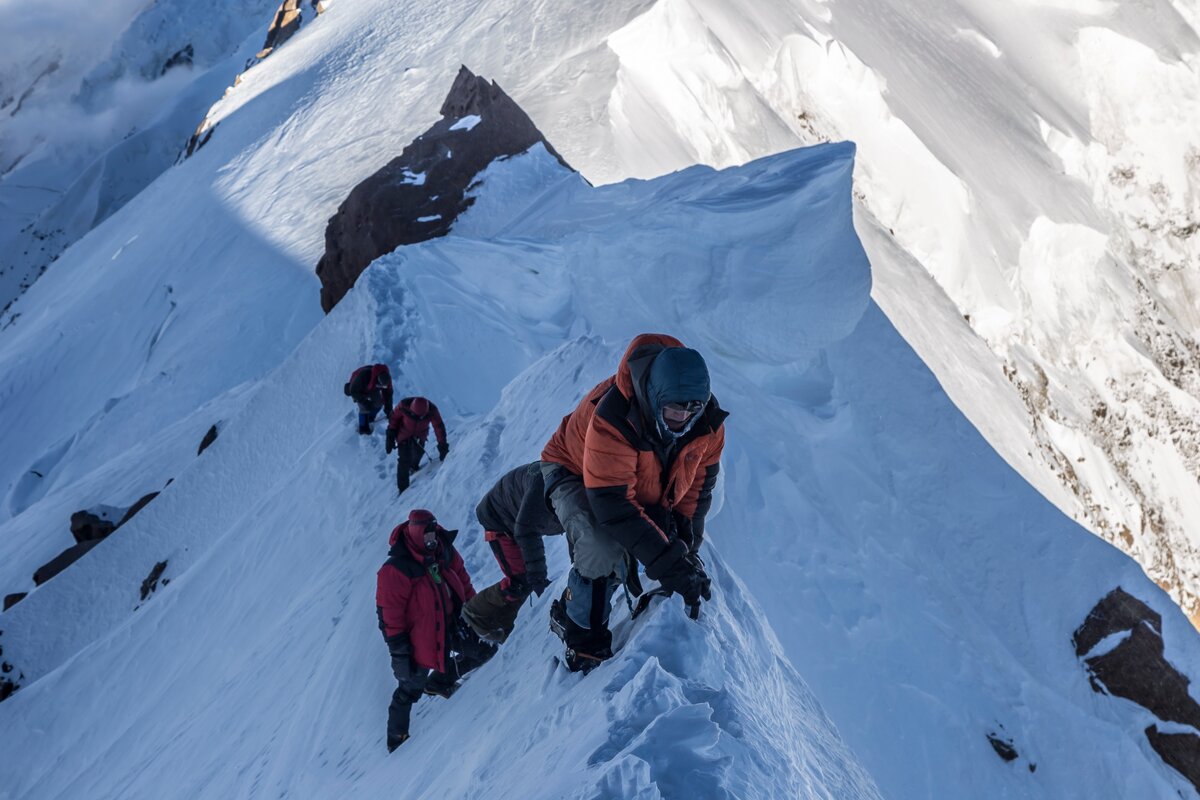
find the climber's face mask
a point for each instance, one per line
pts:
(676, 415)
(431, 536)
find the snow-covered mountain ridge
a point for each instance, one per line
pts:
(1038, 161)
(925, 593)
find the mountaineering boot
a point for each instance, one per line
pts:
(586, 649)
(396, 741)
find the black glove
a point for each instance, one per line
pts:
(400, 648)
(689, 580)
(443, 450)
(389, 445)
(537, 584)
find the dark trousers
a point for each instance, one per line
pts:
(468, 651)
(410, 684)
(492, 612)
(408, 459)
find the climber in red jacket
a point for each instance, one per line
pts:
(406, 434)
(419, 597)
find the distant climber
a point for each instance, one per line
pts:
(370, 387)
(419, 597)
(406, 434)
(515, 515)
(631, 471)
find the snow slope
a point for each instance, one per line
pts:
(263, 583)
(1037, 161)
(95, 102)
(902, 565)
(921, 620)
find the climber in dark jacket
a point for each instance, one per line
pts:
(515, 515)
(407, 431)
(371, 388)
(419, 596)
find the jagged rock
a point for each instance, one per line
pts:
(208, 439)
(180, 58)
(204, 132)
(1118, 611)
(1137, 670)
(418, 195)
(86, 527)
(283, 27)
(1180, 750)
(11, 600)
(1003, 747)
(136, 507)
(151, 581)
(63, 560)
(7, 687)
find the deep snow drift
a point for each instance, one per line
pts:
(925, 593)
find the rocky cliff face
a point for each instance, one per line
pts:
(1121, 645)
(418, 195)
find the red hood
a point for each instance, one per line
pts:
(413, 531)
(644, 340)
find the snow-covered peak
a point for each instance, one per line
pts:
(867, 537)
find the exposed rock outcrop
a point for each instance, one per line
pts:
(89, 529)
(150, 584)
(1180, 750)
(142, 502)
(63, 560)
(208, 439)
(11, 600)
(283, 27)
(1126, 635)
(184, 57)
(86, 527)
(418, 195)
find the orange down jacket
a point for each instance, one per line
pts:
(648, 495)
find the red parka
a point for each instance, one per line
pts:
(406, 423)
(372, 383)
(420, 595)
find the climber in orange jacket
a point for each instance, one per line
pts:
(632, 470)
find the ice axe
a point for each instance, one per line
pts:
(643, 603)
